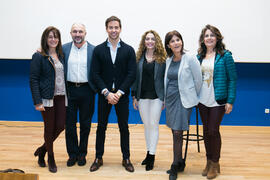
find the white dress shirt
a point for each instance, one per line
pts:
(77, 64)
(113, 52)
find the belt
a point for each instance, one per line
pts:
(77, 84)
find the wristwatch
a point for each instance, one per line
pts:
(119, 94)
(106, 93)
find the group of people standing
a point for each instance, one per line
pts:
(64, 80)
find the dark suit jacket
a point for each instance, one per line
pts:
(122, 73)
(90, 48)
(158, 80)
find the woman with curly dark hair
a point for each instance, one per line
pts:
(148, 90)
(217, 94)
(49, 92)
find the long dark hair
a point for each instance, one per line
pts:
(168, 37)
(44, 38)
(220, 46)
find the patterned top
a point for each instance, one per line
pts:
(59, 78)
(59, 83)
(207, 93)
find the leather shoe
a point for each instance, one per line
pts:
(71, 161)
(96, 164)
(81, 161)
(128, 165)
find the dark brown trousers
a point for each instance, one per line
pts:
(211, 119)
(54, 121)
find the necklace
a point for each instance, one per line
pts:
(148, 58)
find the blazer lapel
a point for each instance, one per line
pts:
(168, 62)
(108, 54)
(117, 55)
(140, 66)
(141, 63)
(156, 70)
(183, 61)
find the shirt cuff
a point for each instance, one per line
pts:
(121, 92)
(104, 90)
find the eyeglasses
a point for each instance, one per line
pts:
(52, 37)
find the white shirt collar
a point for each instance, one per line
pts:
(83, 46)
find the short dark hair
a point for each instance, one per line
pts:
(168, 37)
(44, 38)
(112, 18)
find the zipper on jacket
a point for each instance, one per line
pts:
(49, 57)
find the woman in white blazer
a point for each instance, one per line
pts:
(182, 83)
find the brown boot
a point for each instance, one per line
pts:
(206, 169)
(214, 170)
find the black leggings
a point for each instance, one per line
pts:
(177, 146)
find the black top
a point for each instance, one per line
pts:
(148, 86)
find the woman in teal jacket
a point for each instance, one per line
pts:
(217, 94)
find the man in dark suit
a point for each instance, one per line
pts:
(113, 70)
(81, 93)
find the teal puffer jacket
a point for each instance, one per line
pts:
(224, 78)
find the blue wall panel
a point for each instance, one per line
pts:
(253, 96)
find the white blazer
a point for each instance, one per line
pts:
(189, 79)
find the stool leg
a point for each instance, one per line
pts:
(185, 156)
(197, 129)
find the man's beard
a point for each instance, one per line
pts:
(78, 41)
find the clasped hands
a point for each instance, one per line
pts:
(113, 98)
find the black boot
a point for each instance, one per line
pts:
(173, 172)
(40, 152)
(181, 166)
(150, 163)
(145, 159)
(51, 164)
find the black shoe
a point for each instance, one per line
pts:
(150, 163)
(128, 165)
(71, 161)
(173, 172)
(145, 159)
(181, 166)
(40, 152)
(96, 164)
(81, 161)
(51, 164)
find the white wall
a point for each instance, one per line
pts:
(245, 24)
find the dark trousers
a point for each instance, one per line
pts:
(54, 121)
(80, 99)
(211, 119)
(122, 112)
